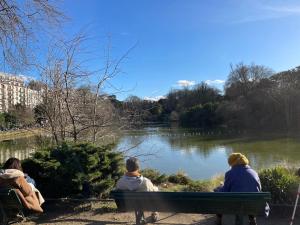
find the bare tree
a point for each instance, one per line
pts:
(20, 21)
(243, 78)
(112, 67)
(74, 109)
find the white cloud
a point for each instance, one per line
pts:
(214, 82)
(185, 83)
(26, 78)
(292, 9)
(261, 10)
(155, 98)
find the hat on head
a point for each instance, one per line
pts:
(237, 159)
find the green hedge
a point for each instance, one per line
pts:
(75, 169)
(281, 182)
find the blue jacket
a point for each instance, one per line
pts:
(241, 178)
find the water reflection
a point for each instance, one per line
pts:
(19, 148)
(200, 155)
(204, 155)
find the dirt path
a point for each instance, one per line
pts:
(90, 218)
(92, 214)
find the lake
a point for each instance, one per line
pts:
(200, 155)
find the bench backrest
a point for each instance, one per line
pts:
(10, 204)
(244, 203)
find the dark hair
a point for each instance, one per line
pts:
(13, 163)
(132, 164)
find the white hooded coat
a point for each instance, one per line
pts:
(139, 183)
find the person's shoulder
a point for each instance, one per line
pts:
(228, 172)
(146, 179)
(249, 168)
(123, 177)
(252, 171)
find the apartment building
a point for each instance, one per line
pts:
(14, 91)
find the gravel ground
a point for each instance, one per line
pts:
(105, 214)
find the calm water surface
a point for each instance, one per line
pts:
(19, 148)
(170, 150)
(202, 156)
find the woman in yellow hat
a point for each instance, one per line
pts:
(240, 178)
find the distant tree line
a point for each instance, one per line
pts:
(254, 98)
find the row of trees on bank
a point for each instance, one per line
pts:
(254, 98)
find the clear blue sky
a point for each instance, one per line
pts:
(189, 40)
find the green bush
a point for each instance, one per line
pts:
(179, 178)
(204, 116)
(281, 182)
(155, 176)
(198, 186)
(75, 169)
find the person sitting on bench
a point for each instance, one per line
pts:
(12, 176)
(240, 178)
(134, 181)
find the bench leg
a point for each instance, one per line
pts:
(139, 217)
(3, 217)
(239, 220)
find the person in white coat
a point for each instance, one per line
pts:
(132, 180)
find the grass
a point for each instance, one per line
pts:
(22, 133)
(181, 182)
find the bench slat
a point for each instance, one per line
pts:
(192, 202)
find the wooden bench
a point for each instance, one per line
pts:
(11, 207)
(236, 203)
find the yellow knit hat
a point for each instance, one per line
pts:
(237, 159)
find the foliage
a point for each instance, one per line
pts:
(2, 120)
(201, 116)
(281, 182)
(254, 99)
(39, 114)
(18, 116)
(155, 176)
(72, 169)
(21, 115)
(198, 186)
(10, 120)
(179, 178)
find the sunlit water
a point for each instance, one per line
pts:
(204, 155)
(200, 155)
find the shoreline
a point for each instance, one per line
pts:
(21, 133)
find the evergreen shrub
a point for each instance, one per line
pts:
(179, 178)
(281, 182)
(155, 176)
(198, 186)
(75, 170)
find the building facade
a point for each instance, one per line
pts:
(13, 91)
